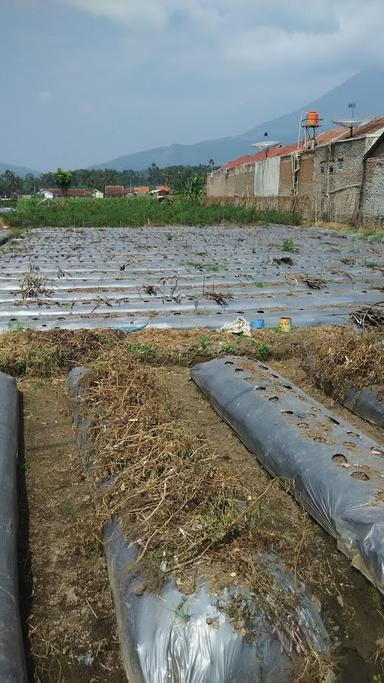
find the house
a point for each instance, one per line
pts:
(97, 194)
(141, 190)
(71, 192)
(338, 172)
(114, 191)
(322, 177)
(163, 190)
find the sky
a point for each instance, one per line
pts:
(85, 81)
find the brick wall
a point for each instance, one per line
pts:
(338, 173)
(285, 180)
(372, 197)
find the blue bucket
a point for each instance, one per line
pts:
(257, 324)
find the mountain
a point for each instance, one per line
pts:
(21, 171)
(364, 88)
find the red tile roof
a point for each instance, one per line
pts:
(323, 138)
(114, 190)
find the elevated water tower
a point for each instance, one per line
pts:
(310, 125)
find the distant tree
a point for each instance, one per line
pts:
(63, 179)
(30, 184)
(10, 184)
(211, 162)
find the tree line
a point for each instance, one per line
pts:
(178, 177)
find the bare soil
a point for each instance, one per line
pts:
(351, 608)
(66, 601)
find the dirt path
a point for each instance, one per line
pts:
(66, 601)
(351, 608)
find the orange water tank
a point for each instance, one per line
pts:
(312, 119)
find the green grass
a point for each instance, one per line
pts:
(204, 341)
(230, 348)
(137, 211)
(263, 352)
(199, 265)
(142, 352)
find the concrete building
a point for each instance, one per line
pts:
(333, 177)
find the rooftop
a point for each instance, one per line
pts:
(367, 128)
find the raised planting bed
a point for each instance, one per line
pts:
(12, 659)
(219, 630)
(334, 471)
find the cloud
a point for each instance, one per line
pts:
(131, 13)
(251, 33)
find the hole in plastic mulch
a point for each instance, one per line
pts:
(274, 398)
(260, 388)
(360, 475)
(377, 451)
(339, 458)
(239, 370)
(287, 412)
(332, 419)
(228, 362)
(349, 444)
(303, 425)
(320, 439)
(287, 386)
(357, 436)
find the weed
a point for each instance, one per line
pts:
(199, 265)
(141, 351)
(289, 245)
(44, 360)
(15, 326)
(258, 283)
(379, 653)
(204, 341)
(230, 348)
(276, 329)
(263, 352)
(169, 236)
(253, 250)
(27, 465)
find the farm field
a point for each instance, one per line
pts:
(133, 454)
(69, 616)
(185, 277)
